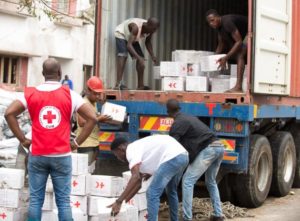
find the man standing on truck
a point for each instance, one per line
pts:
(128, 34)
(205, 156)
(232, 40)
(50, 106)
(93, 94)
(160, 156)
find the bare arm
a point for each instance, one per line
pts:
(149, 47)
(11, 113)
(238, 42)
(220, 46)
(134, 32)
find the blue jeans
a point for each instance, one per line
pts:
(207, 161)
(166, 177)
(60, 170)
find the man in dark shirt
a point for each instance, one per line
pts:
(206, 154)
(232, 40)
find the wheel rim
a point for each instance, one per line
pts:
(263, 171)
(288, 164)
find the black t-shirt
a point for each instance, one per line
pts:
(229, 24)
(192, 133)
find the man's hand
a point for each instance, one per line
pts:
(103, 118)
(222, 63)
(146, 176)
(154, 59)
(73, 145)
(26, 143)
(115, 208)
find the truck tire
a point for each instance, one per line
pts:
(225, 188)
(251, 189)
(295, 131)
(284, 163)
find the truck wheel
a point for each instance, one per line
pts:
(295, 131)
(252, 189)
(284, 163)
(225, 188)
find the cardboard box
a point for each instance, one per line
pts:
(233, 82)
(109, 186)
(132, 213)
(94, 202)
(79, 163)
(210, 63)
(233, 70)
(220, 83)
(139, 201)
(156, 72)
(196, 83)
(12, 178)
(193, 70)
(117, 112)
(8, 214)
(189, 56)
(49, 201)
(79, 203)
(53, 215)
(173, 69)
(80, 185)
(143, 215)
(172, 84)
(10, 198)
(145, 184)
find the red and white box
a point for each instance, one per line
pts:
(145, 184)
(132, 213)
(210, 63)
(139, 201)
(196, 83)
(8, 214)
(53, 215)
(117, 112)
(108, 186)
(10, 198)
(193, 70)
(80, 185)
(79, 163)
(143, 215)
(97, 204)
(49, 202)
(172, 84)
(79, 202)
(173, 69)
(12, 178)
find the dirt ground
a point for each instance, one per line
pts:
(274, 209)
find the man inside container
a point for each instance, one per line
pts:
(50, 106)
(205, 156)
(93, 94)
(159, 156)
(232, 40)
(128, 34)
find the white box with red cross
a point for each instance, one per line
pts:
(117, 112)
(145, 184)
(173, 69)
(172, 84)
(196, 83)
(143, 215)
(80, 185)
(108, 186)
(12, 178)
(139, 201)
(79, 163)
(53, 215)
(8, 214)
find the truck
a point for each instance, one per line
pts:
(259, 127)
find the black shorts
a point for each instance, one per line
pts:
(122, 50)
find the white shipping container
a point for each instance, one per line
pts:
(12, 178)
(172, 84)
(196, 83)
(79, 163)
(173, 69)
(117, 112)
(210, 63)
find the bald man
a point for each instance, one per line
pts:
(50, 106)
(128, 34)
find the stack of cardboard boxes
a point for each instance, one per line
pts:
(13, 195)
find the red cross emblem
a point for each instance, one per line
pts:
(74, 183)
(3, 215)
(77, 204)
(49, 117)
(100, 185)
(172, 85)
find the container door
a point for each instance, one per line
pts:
(272, 34)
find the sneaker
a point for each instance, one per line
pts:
(217, 218)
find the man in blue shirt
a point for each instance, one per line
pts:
(68, 82)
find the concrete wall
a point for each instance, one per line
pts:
(70, 41)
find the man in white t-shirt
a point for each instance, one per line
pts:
(160, 156)
(50, 106)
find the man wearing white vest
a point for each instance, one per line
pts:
(128, 34)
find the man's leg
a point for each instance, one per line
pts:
(38, 171)
(140, 67)
(61, 174)
(194, 171)
(210, 181)
(165, 173)
(121, 61)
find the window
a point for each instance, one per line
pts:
(9, 69)
(63, 6)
